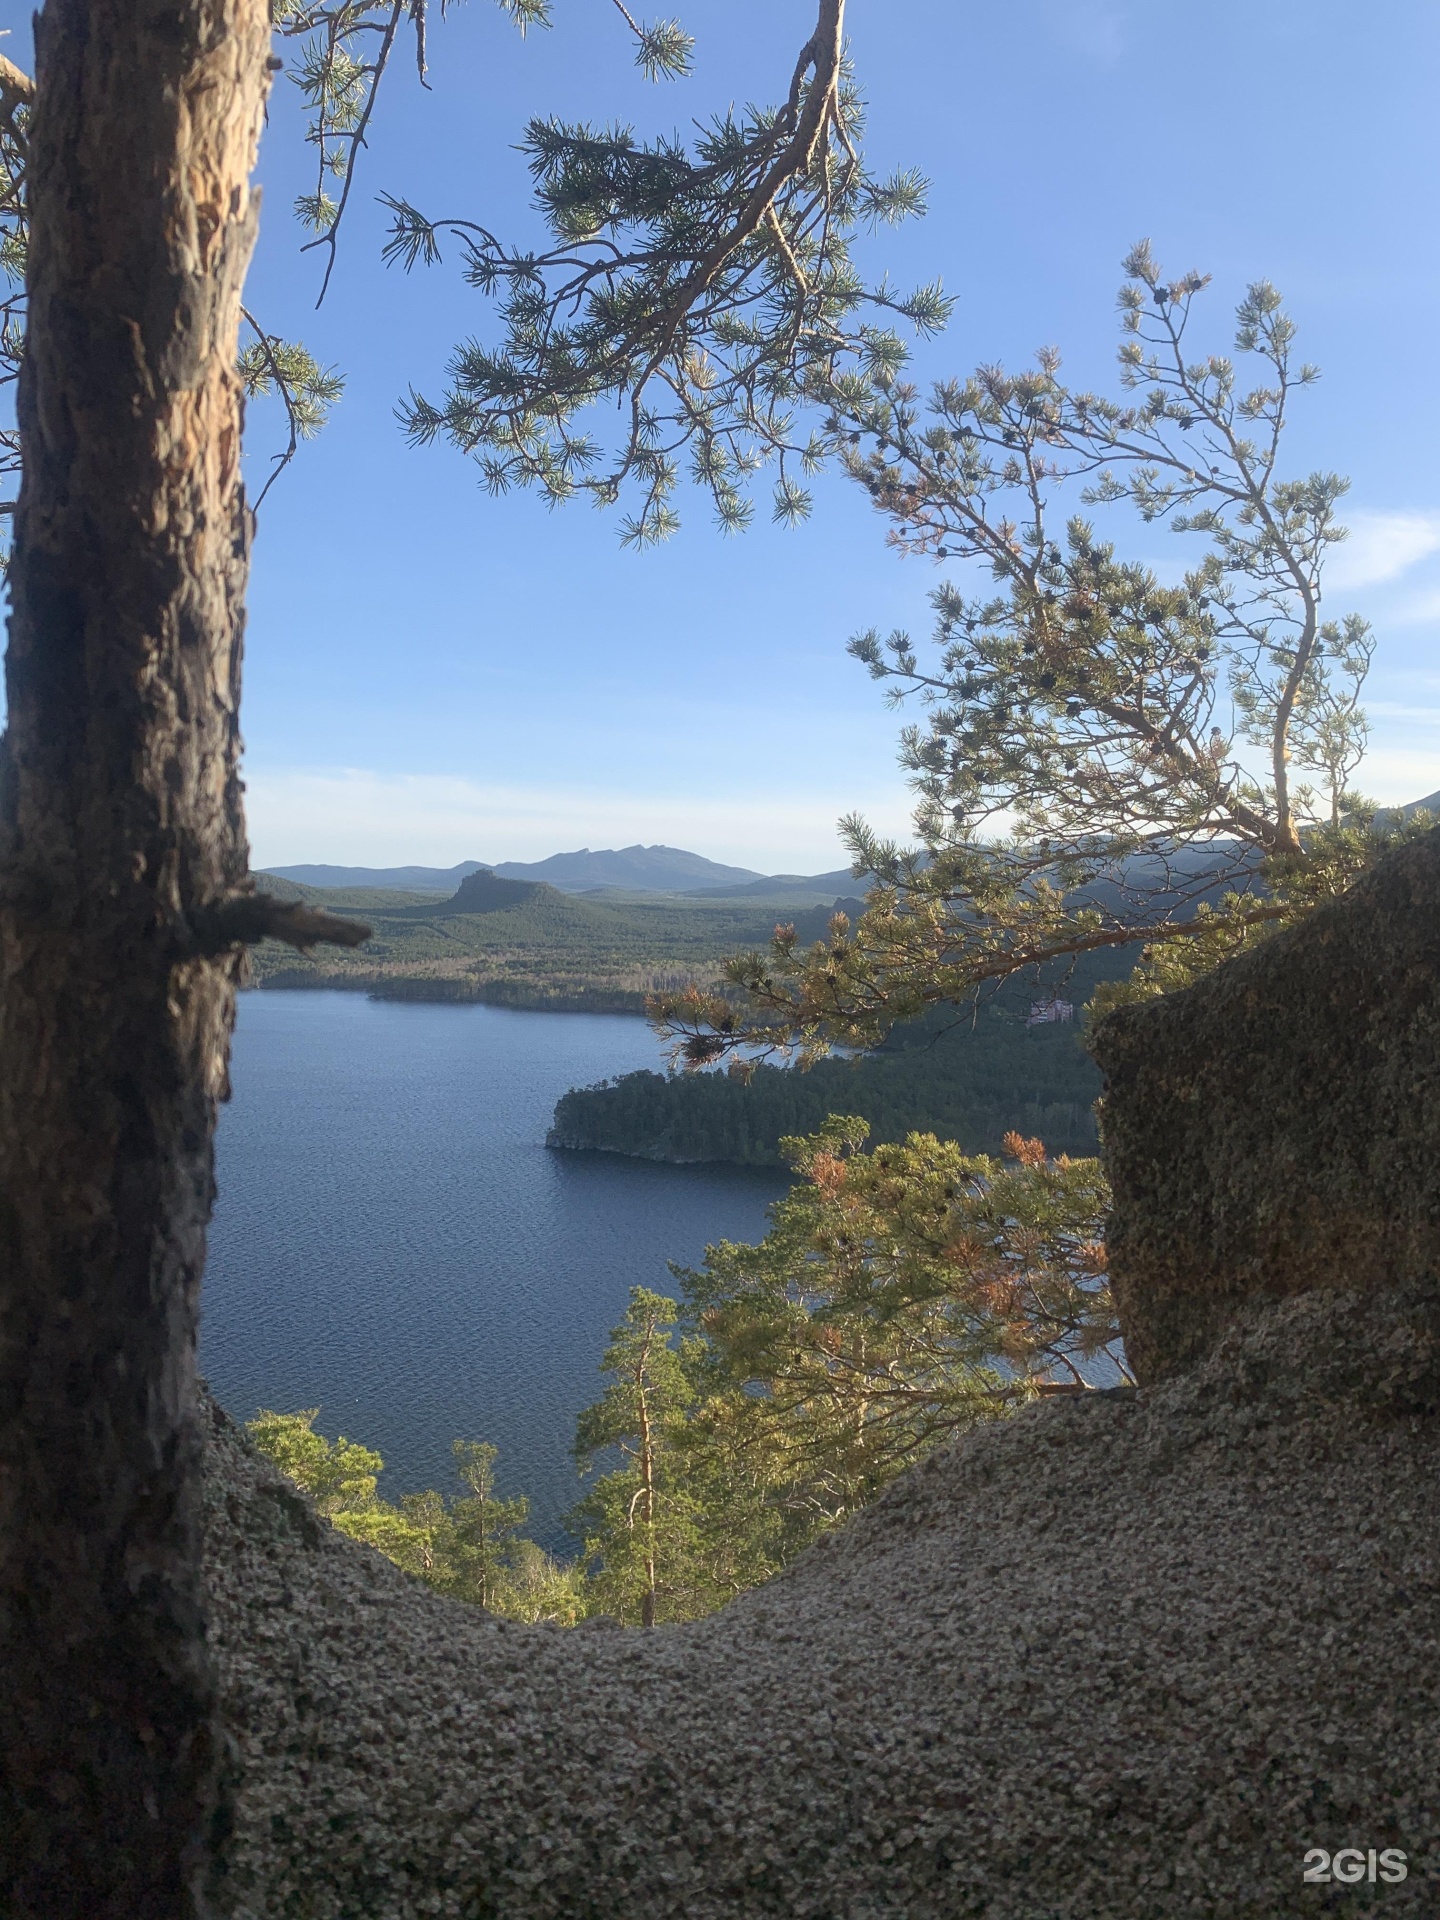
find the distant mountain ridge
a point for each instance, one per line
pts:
(636, 869)
(1388, 815)
(782, 886)
(525, 944)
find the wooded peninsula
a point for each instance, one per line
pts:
(969, 1076)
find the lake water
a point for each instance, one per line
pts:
(394, 1244)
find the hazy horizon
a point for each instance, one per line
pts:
(560, 853)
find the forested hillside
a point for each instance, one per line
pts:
(969, 1080)
(524, 944)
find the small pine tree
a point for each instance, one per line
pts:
(1103, 760)
(470, 1548)
(483, 1527)
(639, 1522)
(534, 1586)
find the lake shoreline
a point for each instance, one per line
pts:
(518, 996)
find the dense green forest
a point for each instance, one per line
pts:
(969, 1076)
(525, 944)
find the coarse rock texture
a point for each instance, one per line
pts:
(1125, 1654)
(1275, 1127)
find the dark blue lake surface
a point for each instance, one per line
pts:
(394, 1243)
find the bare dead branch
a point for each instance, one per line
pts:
(17, 89)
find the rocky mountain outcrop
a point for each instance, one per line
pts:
(1277, 1126)
(484, 892)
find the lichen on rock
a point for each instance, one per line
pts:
(1276, 1127)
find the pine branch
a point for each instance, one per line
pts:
(245, 919)
(306, 390)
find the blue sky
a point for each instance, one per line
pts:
(432, 675)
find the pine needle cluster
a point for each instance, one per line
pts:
(706, 292)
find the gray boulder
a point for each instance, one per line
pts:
(1277, 1126)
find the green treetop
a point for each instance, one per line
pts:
(484, 1526)
(470, 1548)
(639, 1522)
(339, 1475)
(900, 1297)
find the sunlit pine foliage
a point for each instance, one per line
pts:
(1102, 758)
(667, 1533)
(470, 1548)
(705, 293)
(900, 1297)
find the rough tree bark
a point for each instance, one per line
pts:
(122, 900)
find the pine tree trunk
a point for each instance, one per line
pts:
(121, 839)
(647, 1484)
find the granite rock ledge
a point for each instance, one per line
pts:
(1276, 1127)
(1125, 1656)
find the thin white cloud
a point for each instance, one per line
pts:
(1398, 710)
(1422, 610)
(1394, 776)
(1382, 547)
(357, 817)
